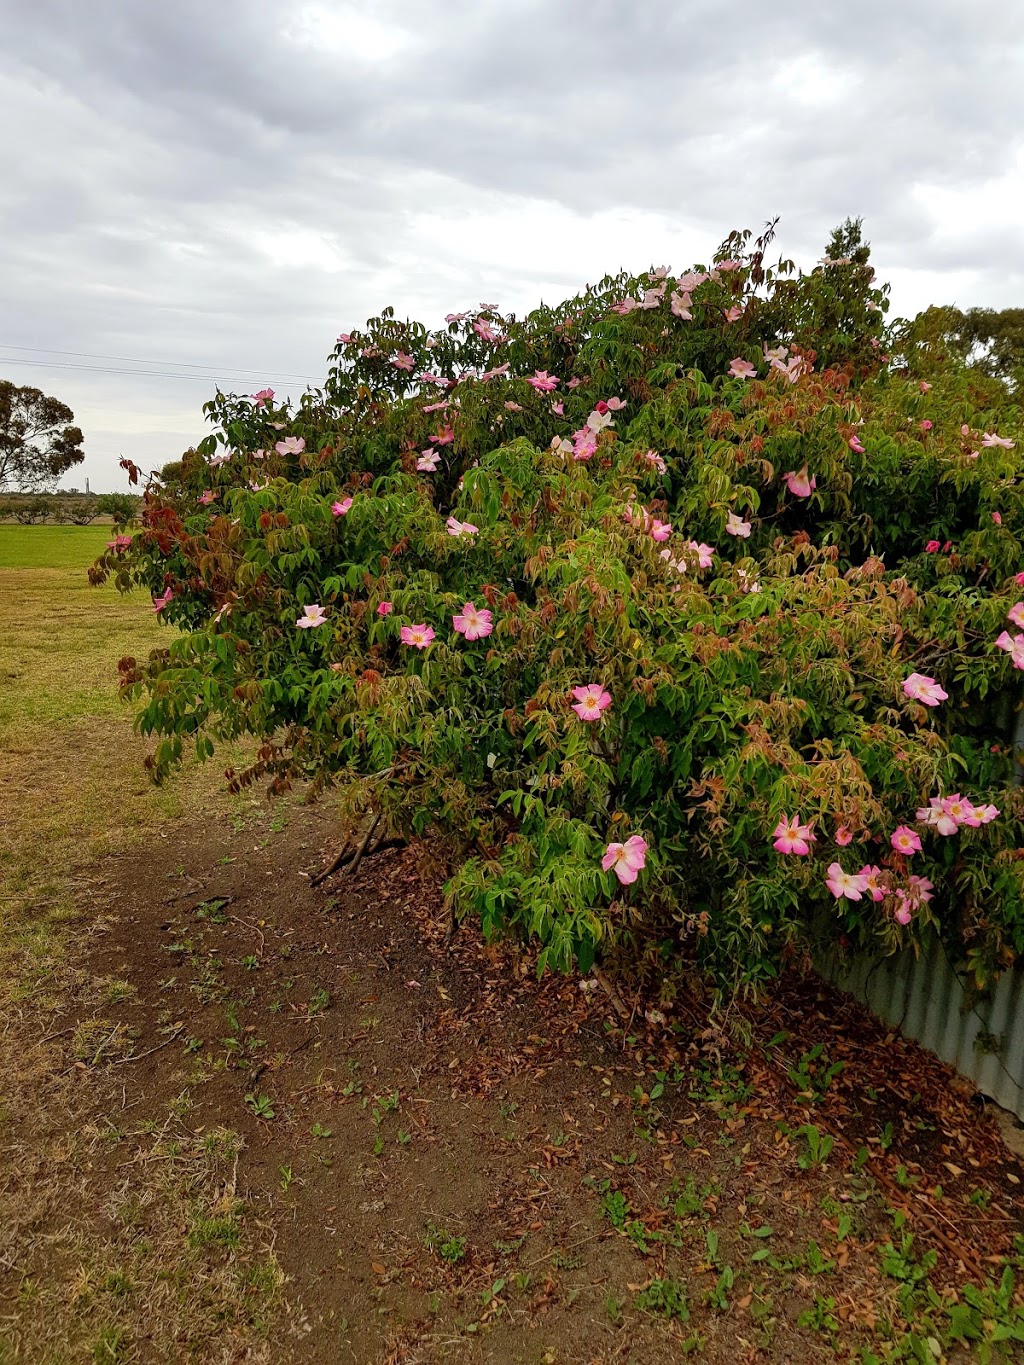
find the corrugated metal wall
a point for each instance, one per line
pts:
(923, 998)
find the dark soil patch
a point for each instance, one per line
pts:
(456, 1162)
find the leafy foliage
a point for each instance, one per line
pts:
(37, 441)
(749, 569)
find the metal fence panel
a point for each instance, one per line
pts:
(922, 997)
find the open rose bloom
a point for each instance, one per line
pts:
(626, 860)
(472, 622)
(591, 701)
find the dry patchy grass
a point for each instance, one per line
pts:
(170, 1256)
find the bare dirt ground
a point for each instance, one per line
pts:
(277, 1124)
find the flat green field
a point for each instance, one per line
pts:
(50, 547)
(70, 764)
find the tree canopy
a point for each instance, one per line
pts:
(38, 442)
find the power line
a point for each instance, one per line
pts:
(211, 378)
(138, 360)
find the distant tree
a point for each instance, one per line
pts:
(987, 341)
(121, 506)
(31, 511)
(78, 511)
(37, 441)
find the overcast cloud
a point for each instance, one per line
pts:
(228, 184)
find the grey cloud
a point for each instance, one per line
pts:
(163, 149)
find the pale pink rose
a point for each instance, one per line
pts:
(264, 397)
(991, 439)
(926, 425)
(736, 526)
(652, 457)
(442, 438)
(472, 622)
(799, 484)
(905, 840)
(591, 701)
(312, 615)
(703, 552)
(627, 860)
(741, 369)
(417, 636)
(385, 609)
(484, 329)
(454, 527)
(680, 305)
(790, 836)
(852, 885)
(615, 404)
(660, 530)
(119, 544)
(925, 386)
(734, 313)
(919, 687)
(936, 815)
(960, 810)
(872, 884)
(1015, 614)
(206, 497)
(160, 602)
(291, 445)
(542, 381)
(401, 361)
(855, 445)
(1014, 646)
(428, 461)
(843, 836)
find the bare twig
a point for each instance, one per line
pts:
(138, 1056)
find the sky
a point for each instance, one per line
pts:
(201, 192)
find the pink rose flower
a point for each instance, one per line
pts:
(340, 509)
(385, 609)
(312, 615)
(472, 622)
(919, 687)
(591, 701)
(742, 369)
(417, 636)
(790, 836)
(852, 885)
(626, 860)
(905, 840)
(542, 381)
(799, 484)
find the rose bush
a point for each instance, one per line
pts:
(685, 617)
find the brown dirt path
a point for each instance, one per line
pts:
(292, 1125)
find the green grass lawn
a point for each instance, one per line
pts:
(70, 763)
(51, 547)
